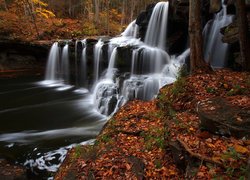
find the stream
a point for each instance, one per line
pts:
(40, 122)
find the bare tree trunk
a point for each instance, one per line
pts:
(97, 10)
(30, 7)
(123, 12)
(108, 28)
(244, 37)
(5, 5)
(132, 10)
(195, 34)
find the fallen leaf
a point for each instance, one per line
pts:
(240, 149)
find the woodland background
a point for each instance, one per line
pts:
(51, 19)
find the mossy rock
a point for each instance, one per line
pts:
(219, 116)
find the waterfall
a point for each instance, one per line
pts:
(97, 59)
(157, 28)
(65, 64)
(215, 51)
(148, 65)
(131, 30)
(83, 65)
(111, 67)
(52, 67)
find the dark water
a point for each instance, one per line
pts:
(39, 123)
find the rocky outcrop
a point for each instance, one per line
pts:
(22, 55)
(231, 36)
(218, 116)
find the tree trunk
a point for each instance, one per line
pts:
(97, 5)
(244, 37)
(132, 10)
(33, 18)
(108, 28)
(5, 5)
(123, 13)
(195, 34)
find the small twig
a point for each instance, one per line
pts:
(136, 133)
(196, 155)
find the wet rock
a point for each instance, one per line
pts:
(220, 117)
(137, 166)
(143, 19)
(215, 6)
(112, 104)
(230, 33)
(179, 155)
(23, 55)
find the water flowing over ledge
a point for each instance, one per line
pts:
(150, 66)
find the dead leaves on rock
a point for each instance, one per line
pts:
(220, 156)
(134, 143)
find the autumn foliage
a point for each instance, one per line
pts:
(137, 142)
(29, 20)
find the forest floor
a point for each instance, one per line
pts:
(163, 138)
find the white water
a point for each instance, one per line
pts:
(97, 59)
(52, 67)
(147, 64)
(215, 51)
(111, 67)
(83, 64)
(131, 30)
(157, 29)
(151, 67)
(65, 64)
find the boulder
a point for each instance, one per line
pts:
(215, 6)
(220, 117)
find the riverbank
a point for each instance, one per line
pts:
(163, 138)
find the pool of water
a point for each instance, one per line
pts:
(41, 121)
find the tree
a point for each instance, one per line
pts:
(244, 37)
(195, 34)
(97, 10)
(33, 8)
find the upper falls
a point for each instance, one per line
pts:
(157, 28)
(215, 51)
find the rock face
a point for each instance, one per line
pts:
(220, 117)
(231, 36)
(22, 55)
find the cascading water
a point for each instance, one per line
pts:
(157, 28)
(57, 69)
(52, 67)
(83, 65)
(215, 51)
(147, 64)
(65, 64)
(131, 30)
(97, 59)
(150, 65)
(111, 67)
